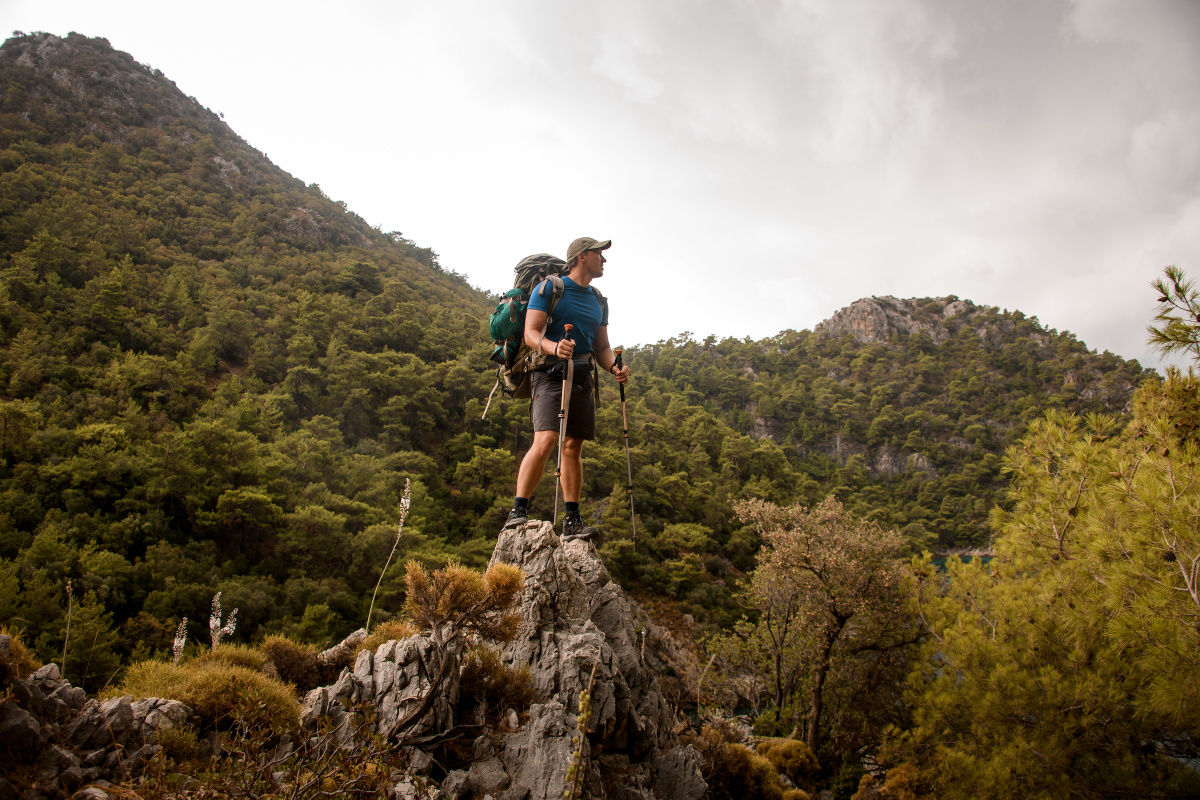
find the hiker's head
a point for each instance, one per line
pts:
(584, 245)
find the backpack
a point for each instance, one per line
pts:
(506, 326)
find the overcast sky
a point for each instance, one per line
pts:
(758, 165)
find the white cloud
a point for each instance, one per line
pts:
(758, 163)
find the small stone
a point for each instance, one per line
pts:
(91, 793)
(456, 785)
(47, 673)
(420, 762)
(514, 722)
(482, 749)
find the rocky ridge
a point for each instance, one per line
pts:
(576, 630)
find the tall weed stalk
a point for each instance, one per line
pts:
(405, 500)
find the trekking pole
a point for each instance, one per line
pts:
(628, 463)
(564, 406)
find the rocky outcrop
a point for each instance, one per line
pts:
(575, 622)
(68, 740)
(574, 618)
(876, 319)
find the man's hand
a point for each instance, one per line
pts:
(565, 348)
(622, 375)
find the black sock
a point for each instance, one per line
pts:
(572, 508)
(521, 502)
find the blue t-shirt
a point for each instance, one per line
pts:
(577, 306)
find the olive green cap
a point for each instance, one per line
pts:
(586, 243)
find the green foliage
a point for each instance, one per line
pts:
(1067, 663)
(215, 378)
(833, 630)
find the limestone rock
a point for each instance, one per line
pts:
(678, 776)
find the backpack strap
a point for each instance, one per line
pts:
(559, 287)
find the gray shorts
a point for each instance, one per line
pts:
(546, 399)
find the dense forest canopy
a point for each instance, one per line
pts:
(215, 378)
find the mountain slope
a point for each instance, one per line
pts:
(215, 378)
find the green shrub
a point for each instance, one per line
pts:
(293, 662)
(791, 757)
(217, 693)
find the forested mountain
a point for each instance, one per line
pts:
(215, 378)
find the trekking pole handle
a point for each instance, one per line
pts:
(619, 365)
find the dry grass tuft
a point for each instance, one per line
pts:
(218, 693)
(293, 662)
(234, 655)
(22, 662)
(385, 632)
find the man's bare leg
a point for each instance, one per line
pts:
(534, 462)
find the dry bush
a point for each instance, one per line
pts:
(293, 662)
(791, 757)
(384, 632)
(487, 682)
(902, 783)
(732, 771)
(455, 600)
(234, 655)
(22, 662)
(215, 692)
(795, 794)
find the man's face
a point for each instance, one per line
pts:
(593, 261)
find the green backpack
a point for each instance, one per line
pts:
(506, 326)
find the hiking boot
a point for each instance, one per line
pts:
(572, 526)
(518, 516)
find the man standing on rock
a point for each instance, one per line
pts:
(581, 308)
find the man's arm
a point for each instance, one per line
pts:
(605, 356)
(535, 326)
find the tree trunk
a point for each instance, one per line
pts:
(813, 726)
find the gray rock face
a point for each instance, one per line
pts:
(678, 775)
(574, 617)
(394, 678)
(20, 733)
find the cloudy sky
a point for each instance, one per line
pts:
(758, 164)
